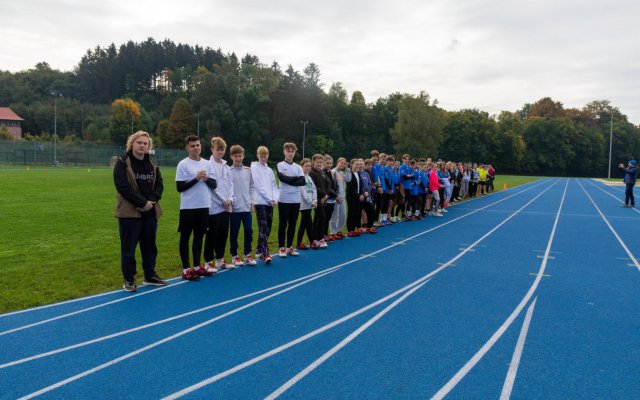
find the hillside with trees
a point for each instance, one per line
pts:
(173, 89)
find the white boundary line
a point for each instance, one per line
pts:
(71, 301)
(503, 328)
(291, 382)
(292, 343)
(205, 323)
(331, 269)
(83, 310)
(427, 277)
(624, 246)
(517, 354)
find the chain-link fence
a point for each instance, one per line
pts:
(18, 152)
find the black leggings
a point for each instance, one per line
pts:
(354, 213)
(318, 222)
(328, 212)
(306, 224)
(217, 234)
(287, 219)
(368, 209)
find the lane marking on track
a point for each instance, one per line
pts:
(195, 327)
(367, 256)
(624, 246)
(544, 275)
(453, 382)
(291, 382)
(117, 334)
(507, 388)
(428, 276)
(451, 265)
(542, 256)
(407, 290)
(73, 301)
(84, 310)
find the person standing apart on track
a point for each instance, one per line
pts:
(194, 182)
(291, 179)
(139, 188)
(630, 175)
(265, 197)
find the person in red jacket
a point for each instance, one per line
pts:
(434, 186)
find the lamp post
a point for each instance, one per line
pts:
(610, 142)
(55, 95)
(198, 116)
(304, 134)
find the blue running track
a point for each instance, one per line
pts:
(529, 293)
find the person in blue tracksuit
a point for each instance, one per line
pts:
(630, 175)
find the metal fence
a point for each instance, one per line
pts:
(19, 152)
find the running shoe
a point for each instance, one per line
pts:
(248, 260)
(190, 275)
(282, 252)
(129, 286)
(154, 280)
(237, 261)
(268, 259)
(292, 252)
(302, 246)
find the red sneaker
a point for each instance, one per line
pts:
(352, 234)
(302, 246)
(190, 275)
(314, 246)
(372, 230)
(267, 259)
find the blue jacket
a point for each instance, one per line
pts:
(406, 176)
(379, 175)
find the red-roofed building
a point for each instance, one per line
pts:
(12, 121)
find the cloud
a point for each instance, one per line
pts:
(493, 55)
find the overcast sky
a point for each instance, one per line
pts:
(492, 55)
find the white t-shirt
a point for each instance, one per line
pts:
(288, 193)
(199, 195)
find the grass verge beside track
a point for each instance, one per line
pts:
(60, 240)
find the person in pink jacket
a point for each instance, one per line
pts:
(434, 185)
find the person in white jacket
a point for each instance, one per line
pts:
(291, 179)
(308, 201)
(265, 197)
(221, 203)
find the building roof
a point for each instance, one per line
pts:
(7, 114)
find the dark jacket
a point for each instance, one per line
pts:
(354, 187)
(630, 175)
(132, 194)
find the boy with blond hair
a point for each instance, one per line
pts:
(265, 197)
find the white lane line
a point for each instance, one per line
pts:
(70, 301)
(84, 310)
(402, 242)
(158, 343)
(195, 327)
(507, 323)
(292, 343)
(624, 246)
(291, 382)
(427, 277)
(331, 269)
(605, 191)
(507, 388)
(159, 322)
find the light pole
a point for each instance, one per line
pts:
(610, 143)
(304, 134)
(55, 95)
(198, 116)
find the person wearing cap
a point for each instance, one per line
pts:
(630, 175)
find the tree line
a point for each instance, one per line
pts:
(172, 90)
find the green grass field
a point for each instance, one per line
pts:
(60, 240)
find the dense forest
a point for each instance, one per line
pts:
(173, 89)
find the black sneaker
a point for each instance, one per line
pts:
(130, 286)
(154, 281)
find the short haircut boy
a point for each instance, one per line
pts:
(374, 153)
(317, 157)
(218, 143)
(290, 146)
(262, 151)
(190, 138)
(236, 149)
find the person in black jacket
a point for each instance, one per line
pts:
(139, 189)
(319, 178)
(354, 194)
(630, 175)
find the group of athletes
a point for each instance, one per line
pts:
(216, 199)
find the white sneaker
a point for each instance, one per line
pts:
(237, 261)
(209, 267)
(282, 252)
(292, 252)
(438, 215)
(443, 210)
(323, 244)
(249, 260)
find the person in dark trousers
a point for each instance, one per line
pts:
(630, 175)
(139, 189)
(354, 192)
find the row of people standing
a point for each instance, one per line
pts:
(216, 200)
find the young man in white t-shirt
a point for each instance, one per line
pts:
(265, 197)
(291, 179)
(194, 181)
(221, 204)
